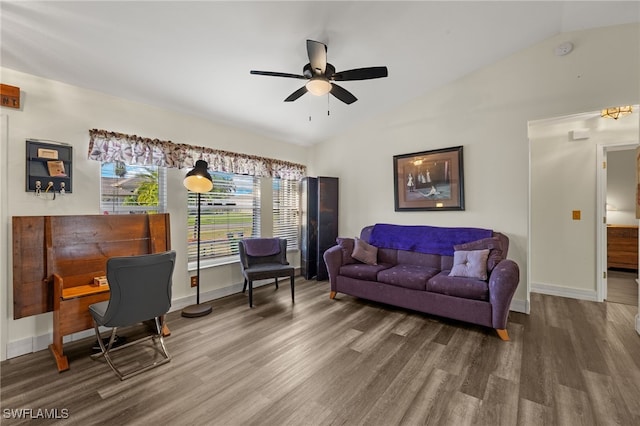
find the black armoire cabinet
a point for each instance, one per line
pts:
(319, 224)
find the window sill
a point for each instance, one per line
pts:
(212, 263)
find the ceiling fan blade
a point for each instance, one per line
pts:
(343, 94)
(278, 74)
(295, 95)
(360, 74)
(317, 56)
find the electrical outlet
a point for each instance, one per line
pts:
(194, 281)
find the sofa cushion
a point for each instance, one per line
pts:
(468, 288)
(346, 245)
(362, 271)
(406, 275)
(496, 253)
(365, 252)
(470, 264)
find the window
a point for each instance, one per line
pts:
(229, 212)
(286, 211)
(128, 189)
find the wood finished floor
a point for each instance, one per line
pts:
(352, 362)
(622, 286)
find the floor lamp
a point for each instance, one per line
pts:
(198, 180)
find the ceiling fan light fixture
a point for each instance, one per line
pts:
(616, 112)
(318, 86)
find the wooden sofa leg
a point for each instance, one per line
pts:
(332, 295)
(502, 332)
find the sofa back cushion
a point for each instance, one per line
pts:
(365, 234)
(445, 263)
(389, 256)
(421, 259)
(493, 244)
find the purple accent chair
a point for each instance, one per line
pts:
(264, 258)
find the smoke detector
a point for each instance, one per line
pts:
(564, 48)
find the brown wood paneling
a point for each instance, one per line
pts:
(622, 246)
(77, 312)
(31, 293)
(76, 247)
(160, 233)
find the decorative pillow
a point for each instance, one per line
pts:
(365, 252)
(470, 264)
(494, 246)
(346, 245)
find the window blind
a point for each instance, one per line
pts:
(229, 212)
(286, 212)
(130, 189)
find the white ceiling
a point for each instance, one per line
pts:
(195, 57)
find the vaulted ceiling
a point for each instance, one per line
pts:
(195, 57)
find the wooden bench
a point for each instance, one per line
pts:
(55, 259)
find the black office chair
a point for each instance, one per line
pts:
(264, 258)
(140, 290)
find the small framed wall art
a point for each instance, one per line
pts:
(429, 180)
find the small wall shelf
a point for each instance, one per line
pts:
(49, 162)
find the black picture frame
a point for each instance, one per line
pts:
(429, 180)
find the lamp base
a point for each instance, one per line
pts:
(198, 310)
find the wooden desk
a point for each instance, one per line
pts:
(622, 246)
(71, 313)
(55, 259)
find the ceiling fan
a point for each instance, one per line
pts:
(321, 75)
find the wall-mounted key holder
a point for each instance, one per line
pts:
(49, 167)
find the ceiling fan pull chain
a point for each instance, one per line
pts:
(328, 99)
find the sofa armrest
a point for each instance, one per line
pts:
(333, 260)
(503, 282)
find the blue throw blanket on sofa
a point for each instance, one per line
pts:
(424, 239)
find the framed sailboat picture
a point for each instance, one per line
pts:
(429, 180)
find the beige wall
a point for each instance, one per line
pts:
(56, 111)
(564, 178)
(488, 113)
(621, 187)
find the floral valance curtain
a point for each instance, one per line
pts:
(110, 147)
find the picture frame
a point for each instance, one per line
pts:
(429, 180)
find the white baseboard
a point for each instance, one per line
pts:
(519, 306)
(573, 293)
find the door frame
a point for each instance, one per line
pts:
(601, 209)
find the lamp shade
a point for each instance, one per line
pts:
(199, 179)
(318, 86)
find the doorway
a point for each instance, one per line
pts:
(618, 236)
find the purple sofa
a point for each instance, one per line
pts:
(409, 274)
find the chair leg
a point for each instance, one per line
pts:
(276, 283)
(244, 287)
(106, 350)
(250, 294)
(292, 290)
